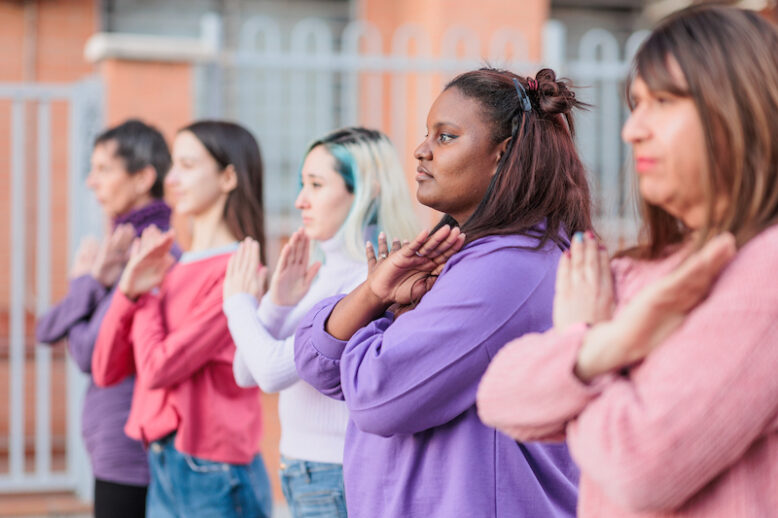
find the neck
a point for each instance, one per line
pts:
(209, 230)
(141, 202)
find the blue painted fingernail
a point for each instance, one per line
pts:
(578, 236)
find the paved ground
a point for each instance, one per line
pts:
(66, 505)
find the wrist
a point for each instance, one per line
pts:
(125, 286)
(598, 353)
(371, 299)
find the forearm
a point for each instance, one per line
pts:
(317, 353)
(610, 346)
(355, 311)
(84, 293)
(112, 358)
(269, 360)
(529, 391)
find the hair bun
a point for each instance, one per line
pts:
(554, 96)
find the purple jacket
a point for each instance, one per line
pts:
(415, 446)
(115, 457)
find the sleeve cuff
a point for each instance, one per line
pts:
(271, 314)
(574, 337)
(326, 344)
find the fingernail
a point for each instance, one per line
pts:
(578, 236)
(590, 234)
(567, 253)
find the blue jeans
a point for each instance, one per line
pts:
(313, 489)
(183, 486)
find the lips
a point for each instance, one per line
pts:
(644, 164)
(422, 173)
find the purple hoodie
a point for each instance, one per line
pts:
(415, 446)
(115, 457)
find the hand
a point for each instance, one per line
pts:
(293, 277)
(112, 255)
(584, 284)
(150, 259)
(655, 312)
(244, 272)
(85, 257)
(401, 275)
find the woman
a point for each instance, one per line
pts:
(166, 325)
(669, 403)
(352, 188)
(499, 160)
(129, 164)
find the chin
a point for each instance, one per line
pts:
(425, 199)
(312, 233)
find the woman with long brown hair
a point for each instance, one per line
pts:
(660, 369)
(165, 324)
(500, 162)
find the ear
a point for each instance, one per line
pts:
(228, 179)
(502, 148)
(144, 180)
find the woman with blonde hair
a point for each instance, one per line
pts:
(352, 189)
(660, 368)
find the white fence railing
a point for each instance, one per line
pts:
(31, 128)
(291, 87)
(288, 87)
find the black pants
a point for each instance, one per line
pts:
(114, 500)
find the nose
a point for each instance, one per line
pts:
(423, 151)
(171, 177)
(635, 128)
(91, 180)
(302, 201)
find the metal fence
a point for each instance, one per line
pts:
(292, 86)
(31, 109)
(289, 87)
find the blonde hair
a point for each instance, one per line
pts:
(368, 163)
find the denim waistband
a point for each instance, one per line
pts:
(298, 466)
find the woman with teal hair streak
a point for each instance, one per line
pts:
(352, 188)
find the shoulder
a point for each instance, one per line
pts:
(750, 279)
(513, 252)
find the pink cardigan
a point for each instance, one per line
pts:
(179, 344)
(692, 431)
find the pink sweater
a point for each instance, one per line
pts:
(692, 431)
(179, 344)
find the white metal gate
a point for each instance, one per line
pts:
(292, 86)
(31, 114)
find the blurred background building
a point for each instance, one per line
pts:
(290, 70)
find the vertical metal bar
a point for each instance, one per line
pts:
(17, 320)
(43, 285)
(76, 129)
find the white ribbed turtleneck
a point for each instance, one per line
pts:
(313, 426)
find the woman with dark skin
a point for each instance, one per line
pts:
(500, 162)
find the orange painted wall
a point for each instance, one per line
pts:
(42, 41)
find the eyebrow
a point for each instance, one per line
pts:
(314, 175)
(445, 123)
